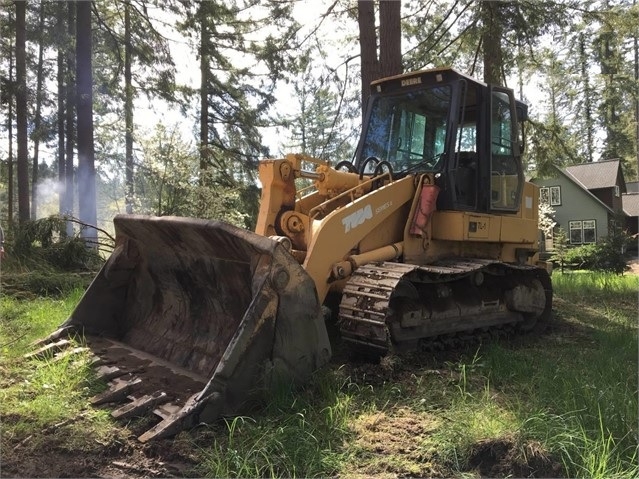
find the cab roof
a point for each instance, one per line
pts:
(428, 77)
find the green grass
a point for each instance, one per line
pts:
(568, 397)
(577, 389)
(38, 396)
(572, 393)
(297, 435)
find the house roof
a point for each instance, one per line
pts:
(630, 204)
(599, 174)
(586, 191)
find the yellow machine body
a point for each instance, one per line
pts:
(429, 235)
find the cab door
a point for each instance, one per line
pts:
(506, 175)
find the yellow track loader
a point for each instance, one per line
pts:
(428, 237)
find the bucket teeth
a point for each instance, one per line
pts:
(171, 421)
(167, 410)
(109, 372)
(118, 390)
(139, 406)
(49, 350)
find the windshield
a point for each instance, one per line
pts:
(409, 130)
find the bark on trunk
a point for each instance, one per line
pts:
(86, 161)
(37, 123)
(368, 47)
(69, 190)
(491, 40)
(390, 38)
(204, 99)
(61, 110)
(21, 113)
(128, 110)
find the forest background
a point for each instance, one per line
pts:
(165, 107)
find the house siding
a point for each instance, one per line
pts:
(576, 204)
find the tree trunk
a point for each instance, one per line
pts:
(69, 190)
(589, 123)
(86, 161)
(491, 41)
(636, 49)
(128, 109)
(390, 38)
(367, 47)
(37, 122)
(61, 111)
(10, 192)
(204, 98)
(21, 113)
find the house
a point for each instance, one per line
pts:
(588, 200)
(630, 201)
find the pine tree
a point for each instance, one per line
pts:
(21, 112)
(84, 106)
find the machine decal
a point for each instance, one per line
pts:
(355, 219)
(385, 206)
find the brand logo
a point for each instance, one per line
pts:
(355, 219)
(412, 81)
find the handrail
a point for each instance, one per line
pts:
(321, 208)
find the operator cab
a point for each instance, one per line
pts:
(443, 122)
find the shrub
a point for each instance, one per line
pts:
(605, 255)
(43, 243)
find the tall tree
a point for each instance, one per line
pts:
(131, 59)
(613, 53)
(205, 47)
(21, 112)
(367, 47)
(60, 76)
(587, 93)
(319, 127)
(491, 13)
(635, 43)
(8, 98)
(70, 94)
(128, 109)
(86, 157)
(37, 123)
(388, 61)
(243, 51)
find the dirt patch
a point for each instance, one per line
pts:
(121, 456)
(504, 458)
(395, 438)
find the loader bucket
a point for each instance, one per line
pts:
(193, 319)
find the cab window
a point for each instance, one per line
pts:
(409, 130)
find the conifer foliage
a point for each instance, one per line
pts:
(83, 110)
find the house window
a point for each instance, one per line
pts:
(555, 195)
(583, 231)
(543, 195)
(590, 231)
(617, 191)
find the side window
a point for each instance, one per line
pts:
(506, 178)
(501, 125)
(467, 137)
(555, 195)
